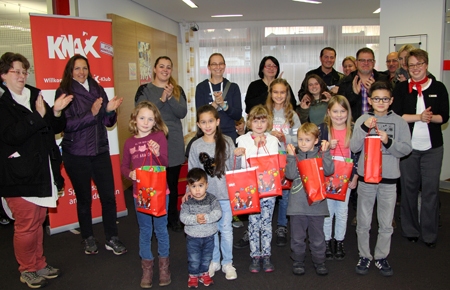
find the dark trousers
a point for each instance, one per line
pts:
(80, 170)
(421, 168)
(173, 174)
(199, 252)
(314, 225)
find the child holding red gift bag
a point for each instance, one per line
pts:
(304, 217)
(337, 128)
(214, 152)
(396, 143)
(150, 134)
(285, 125)
(259, 141)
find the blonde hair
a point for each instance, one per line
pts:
(259, 112)
(176, 89)
(287, 106)
(350, 58)
(240, 121)
(309, 129)
(159, 123)
(342, 101)
(407, 48)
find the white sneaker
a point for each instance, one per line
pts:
(230, 271)
(213, 267)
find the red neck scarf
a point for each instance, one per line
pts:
(418, 85)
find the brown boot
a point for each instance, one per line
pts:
(164, 272)
(147, 273)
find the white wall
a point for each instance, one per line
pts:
(411, 17)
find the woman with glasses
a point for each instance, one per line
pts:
(222, 94)
(269, 69)
(423, 103)
(402, 74)
(30, 175)
(314, 103)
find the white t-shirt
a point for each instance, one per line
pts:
(420, 138)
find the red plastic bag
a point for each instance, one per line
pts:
(268, 174)
(282, 159)
(151, 188)
(313, 179)
(373, 158)
(336, 185)
(242, 187)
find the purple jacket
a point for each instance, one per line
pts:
(85, 134)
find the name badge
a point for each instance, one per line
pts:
(432, 96)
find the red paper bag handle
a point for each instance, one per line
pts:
(151, 159)
(374, 121)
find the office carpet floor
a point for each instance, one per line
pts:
(415, 265)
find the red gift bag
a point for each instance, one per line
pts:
(313, 179)
(336, 185)
(268, 174)
(282, 159)
(151, 186)
(242, 187)
(373, 158)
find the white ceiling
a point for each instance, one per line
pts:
(259, 10)
(18, 9)
(253, 10)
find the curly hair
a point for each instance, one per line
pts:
(159, 123)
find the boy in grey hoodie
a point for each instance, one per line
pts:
(305, 217)
(199, 215)
(396, 143)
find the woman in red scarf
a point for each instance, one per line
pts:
(423, 103)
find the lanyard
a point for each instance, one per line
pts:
(212, 92)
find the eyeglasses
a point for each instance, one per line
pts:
(391, 60)
(213, 65)
(366, 60)
(270, 66)
(377, 100)
(18, 72)
(417, 65)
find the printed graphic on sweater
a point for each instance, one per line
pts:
(389, 128)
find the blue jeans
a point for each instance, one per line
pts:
(282, 208)
(339, 210)
(148, 223)
(199, 252)
(226, 235)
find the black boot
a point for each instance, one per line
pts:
(328, 250)
(339, 250)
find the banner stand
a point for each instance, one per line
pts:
(55, 39)
(52, 231)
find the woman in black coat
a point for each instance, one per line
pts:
(30, 169)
